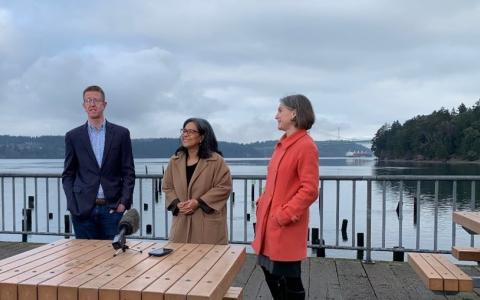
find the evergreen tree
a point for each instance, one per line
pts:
(442, 135)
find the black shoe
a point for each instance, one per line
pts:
(294, 295)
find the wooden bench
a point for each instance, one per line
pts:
(234, 293)
(439, 274)
(466, 253)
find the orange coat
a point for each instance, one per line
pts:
(282, 209)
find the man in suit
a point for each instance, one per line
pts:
(99, 174)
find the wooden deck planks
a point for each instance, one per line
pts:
(22, 259)
(246, 271)
(254, 283)
(264, 292)
(354, 283)
(305, 276)
(383, 282)
(323, 280)
(10, 249)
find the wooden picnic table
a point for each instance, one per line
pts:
(437, 272)
(88, 269)
(470, 220)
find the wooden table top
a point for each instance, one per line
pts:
(468, 219)
(87, 269)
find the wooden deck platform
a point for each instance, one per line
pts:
(328, 278)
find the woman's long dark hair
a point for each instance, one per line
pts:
(209, 143)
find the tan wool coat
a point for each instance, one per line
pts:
(211, 182)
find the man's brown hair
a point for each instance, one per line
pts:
(94, 88)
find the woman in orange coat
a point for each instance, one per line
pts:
(282, 210)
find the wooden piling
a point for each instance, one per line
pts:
(360, 243)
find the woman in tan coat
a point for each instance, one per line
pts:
(197, 185)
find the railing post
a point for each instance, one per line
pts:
(472, 207)
(400, 215)
(320, 209)
(417, 216)
(245, 199)
(354, 208)
(435, 222)
(3, 204)
(155, 195)
(454, 208)
(14, 213)
(24, 212)
(369, 222)
(337, 212)
(232, 201)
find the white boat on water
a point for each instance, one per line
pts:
(358, 154)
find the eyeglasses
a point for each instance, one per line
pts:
(188, 131)
(92, 101)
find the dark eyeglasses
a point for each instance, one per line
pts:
(92, 101)
(188, 131)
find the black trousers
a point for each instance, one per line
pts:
(283, 287)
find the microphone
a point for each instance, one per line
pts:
(128, 225)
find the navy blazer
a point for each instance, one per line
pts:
(82, 175)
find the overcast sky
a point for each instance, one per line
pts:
(362, 63)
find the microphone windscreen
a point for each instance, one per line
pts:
(130, 221)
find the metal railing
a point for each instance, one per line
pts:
(34, 204)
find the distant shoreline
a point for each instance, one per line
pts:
(449, 161)
(52, 147)
(232, 158)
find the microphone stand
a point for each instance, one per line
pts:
(119, 243)
(125, 248)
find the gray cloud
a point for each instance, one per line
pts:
(362, 63)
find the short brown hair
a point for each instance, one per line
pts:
(94, 88)
(305, 117)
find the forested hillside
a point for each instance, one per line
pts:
(53, 147)
(442, 135)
